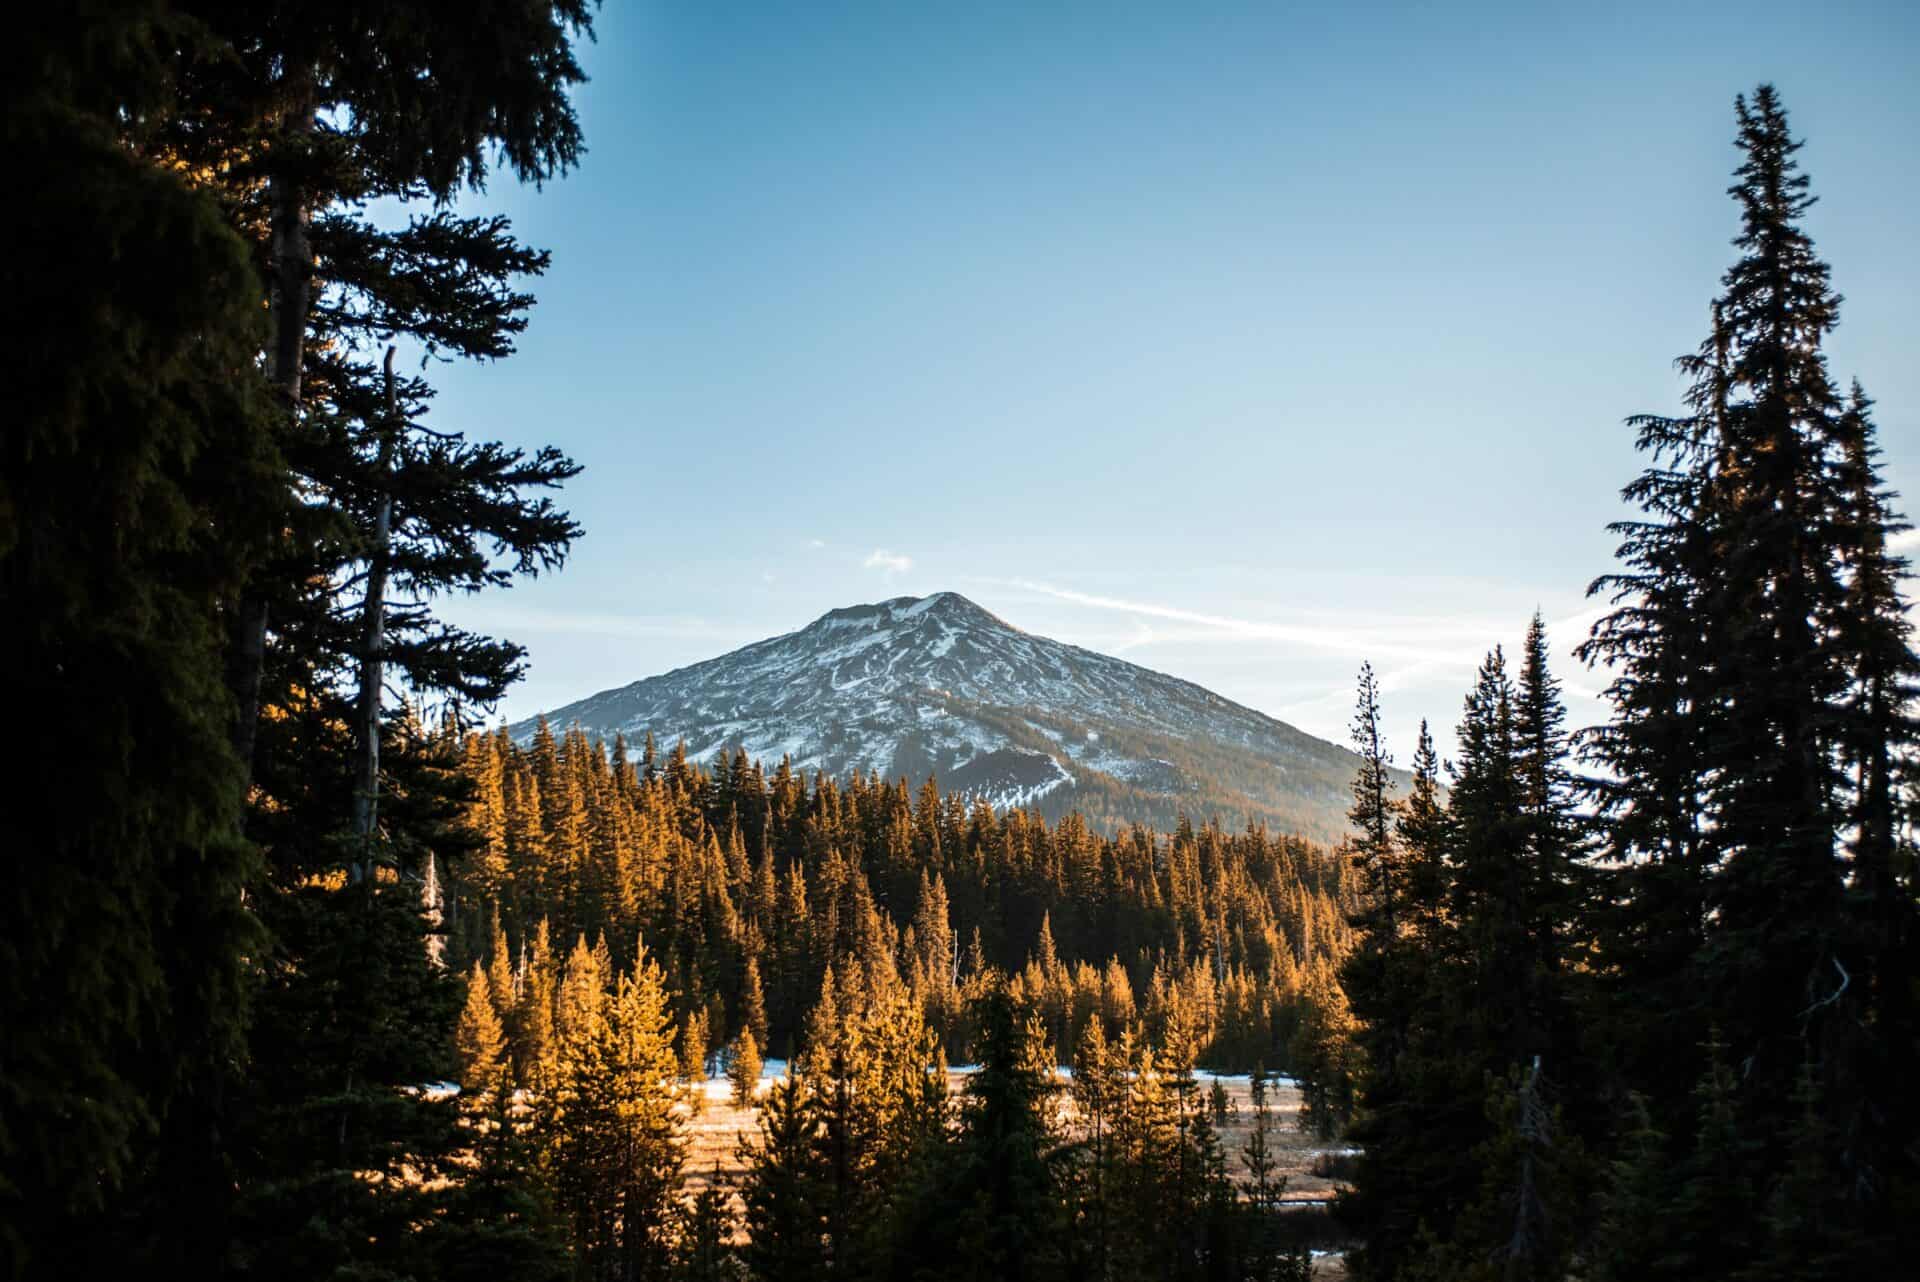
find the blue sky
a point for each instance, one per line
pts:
(1246, 341)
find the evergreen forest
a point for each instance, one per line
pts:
(306, 973)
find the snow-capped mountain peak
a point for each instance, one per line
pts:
(937, 685)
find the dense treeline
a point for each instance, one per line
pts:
(747, 885)
(862, 1164)
(750, 911)
(1642, 1005)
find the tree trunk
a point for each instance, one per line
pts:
(290, 206)
(373, 625)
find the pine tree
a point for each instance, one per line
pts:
(1490, 893)
(1097, 1087)
(341, 125)
(1776, 896)
(358, 1163)
(1556, 876)
(783, 1189)
(1422, 832)
(500, 983)
(879, 1091)
(1266, 1253)
(539, 1050)
(479, 1038)
(1323, 1054)
(1144, 1156)
(1557, 892)
(228, 473)
(694, 1047)
(988, 1207)
(1626, 1244)
(618, 1143)
(703, 1250)
(753, 1003)
(1372, 815)
(743, 1068)
(1385, 976)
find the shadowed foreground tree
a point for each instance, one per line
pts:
(137, 490)
(199, 449)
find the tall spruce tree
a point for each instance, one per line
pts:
(1742, 698)
(1375, 973)
(1390, 978)
(1379, 976)
(1557, 882)
(1474, 1000)
(1491, 892)
(1776, 892)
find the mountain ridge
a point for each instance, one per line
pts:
(938, 685)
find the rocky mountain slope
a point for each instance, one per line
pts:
(937, 685)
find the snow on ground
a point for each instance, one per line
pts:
(719, 1086)
(1207, 1076)
(433, 1090)
(717, 1127)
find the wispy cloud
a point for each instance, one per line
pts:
(1424, 639)
(1379, 641)
(888, 563)
(1408, 650)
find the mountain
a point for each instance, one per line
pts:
(937, 685)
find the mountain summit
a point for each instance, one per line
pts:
(937, 685)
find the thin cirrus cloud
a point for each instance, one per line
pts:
(1417, 639)
(887, 562)
(1408, 650)
(1336, 640)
